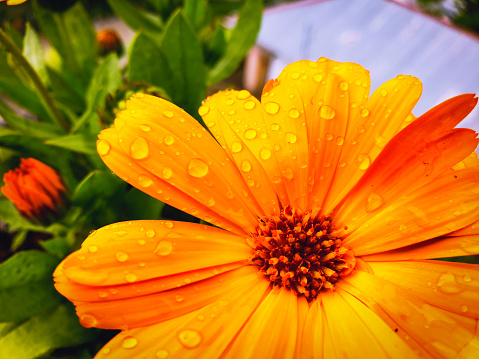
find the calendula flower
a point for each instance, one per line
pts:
(108, 40)
(14, 2)
(330, 205)
(35, 188)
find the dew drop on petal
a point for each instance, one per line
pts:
(236, 147)
(179, 298)
(243, 95)
(145, 181)
(129, 342)
(162, 354)
(203, 110)
(103, 147)
(274, 126)
(245, 166)
(326, 112)
(317, 78)
(249, 105)
(139, 149)
(463, 308)
(92, 249)
(121, 256)
(448, 285)
(384, 92)
(364, 112)
(145, 128)
(364, 162)
(271, 107)
(250, 134)
(131, 277)
(291, 137)
(169, 224)
(339, 140)
(190, 338)
(168, 113)
(163, 248)
(293, 113)
(375, 201)
(329, 136)
(210, 203)
(167, 172)
(150, 233)
(169, 140)
(343, 85)
(88, 320)
(265, 153)
(198, 168)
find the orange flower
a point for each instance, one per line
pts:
(34, 188)
(14, 2)
(108, 41)
(329, 205)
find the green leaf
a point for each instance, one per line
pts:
(72, 34)
(41, 130)
(59, 247)
(23, 96)
(96, 184)
(105, 80)
(242, 38)
(10, 215)
(216, 46)
(78, 142)
(40, 334)
(195, 12)
(147, 63)
(137, 19)
(141, 206)
(33, 52)
(26, 285)
(184, 55)
(64, 92)
(18, 240)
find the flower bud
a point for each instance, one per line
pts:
(108, 41)
(35, 188)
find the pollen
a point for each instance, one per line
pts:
(298, 252)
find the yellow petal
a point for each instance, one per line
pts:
(422, 326)
(204, 333)
(271, 332)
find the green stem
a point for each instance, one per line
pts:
(42, 90)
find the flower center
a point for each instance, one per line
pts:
(298, 252)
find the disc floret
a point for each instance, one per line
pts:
(297, 251)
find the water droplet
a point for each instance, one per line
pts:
(339, 140)
(463, 308)
(265, 153)
(457, 213)
(274, 126)
(93, 249)
(129, 342)
(103, 147)
(329, 136)
(121, 256)
(384, 92)
(466, 278)
(245, 166)
(190, 338)
(326, 112)
(288, 173)
(150, 233)
(243, 95)
(168, 113)
(179, 298)
(448, 285)
(88, 320)
(249, 105)
(236, 147)
(162, 354)
(131, 277)
(271, 107)
(203, 110)
(102, 294)
(164, 248)
(145, 181)
(141, 242)
(276, 179)
(145, 128)
(139, 149)
(364, 112)
(230, 101)
(291, 137)
(169, 224)
(250, 134)
(317, 78)
(167, 173)
(169, 140)
(198, 168)
(210, 124)
(303, 165)
(295, 75)
(211, 202)
(374, 202)
(231, 112)
(343, 85)
(364, 162)
(293, 113)
(341, 164)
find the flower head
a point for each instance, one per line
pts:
(34, 188)
(14, 2)
(329, 203)
(108, 41)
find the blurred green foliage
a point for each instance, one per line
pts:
(57, 92)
